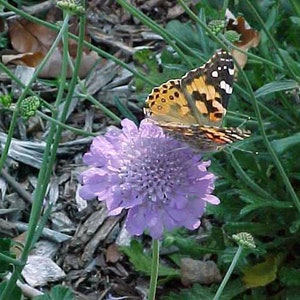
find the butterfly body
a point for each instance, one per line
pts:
(192, 108)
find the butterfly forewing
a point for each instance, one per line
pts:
(209, 87)
(192, 108)
(167, 104)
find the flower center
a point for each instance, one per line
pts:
(153, 172)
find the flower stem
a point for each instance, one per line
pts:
(169, 38)
(44, 173)
(226, 278)
(154, 269)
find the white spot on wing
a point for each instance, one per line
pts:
(226, 87)
(215, 74)
(231, 71)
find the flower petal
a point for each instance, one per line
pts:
(160, 181)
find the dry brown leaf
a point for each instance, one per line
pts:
(33, 41)
(26, 36)
(26, 59)
(19, 243)
(112, 253)
(249, 37)
(53, 66)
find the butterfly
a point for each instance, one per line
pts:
(192, 108)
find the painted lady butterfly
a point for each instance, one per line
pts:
(192, 108)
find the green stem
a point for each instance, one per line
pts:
(50, 107)
(154, 269)
(286, 64)
(12, 76)
(225, 6)
(228, 273)
(274, 157)
(71, 88)
(221, 41)
(264, 107)
(296, 6)
(249, 182)
(156, 28)
(22, 97)
(102, 53)
(10, 260)
(104, 109)
(202, 24)
(43, 177)
(65, 126)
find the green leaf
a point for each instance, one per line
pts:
(295, 226)
(259, 205)
(155, 72)
(58, 292)
(5, 245)
(276, 86)
(143, 262)
(281, 145)
(255, 228)
(289, 276)
(195, 293)
(295, 20)
(289, 58)
(291, 293)
(125, 111)
(233, 289)
(185, 32)
(188, 245)
(15, 292)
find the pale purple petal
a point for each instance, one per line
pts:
(162, 183)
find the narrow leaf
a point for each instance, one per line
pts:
(276, 86)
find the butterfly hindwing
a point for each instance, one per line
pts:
(206, 138)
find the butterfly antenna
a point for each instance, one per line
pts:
(244, 122)
(241, 149)
(178, 149)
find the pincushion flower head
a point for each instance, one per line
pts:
(162, 183)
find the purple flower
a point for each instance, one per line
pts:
(162, 183)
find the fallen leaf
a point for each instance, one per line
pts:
(112, 253)
(260, 274)
(26, 59)
(32, 41)
(249, 37)
(26, 36)
(52, 68)
(19, 242)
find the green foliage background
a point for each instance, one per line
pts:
(258, 179)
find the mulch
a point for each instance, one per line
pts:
(83, 241)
